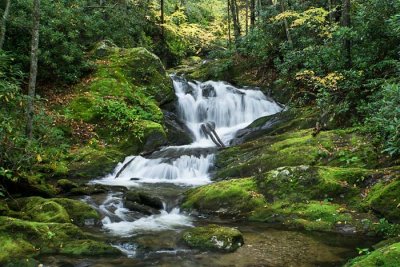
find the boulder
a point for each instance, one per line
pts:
(177, 132)
(145, 199)
(214, 238)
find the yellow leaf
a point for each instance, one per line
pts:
(39, 158)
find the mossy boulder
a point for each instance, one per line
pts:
(337, 148)
(384, 198)
(66, 185)
(59, 210)
(388, 256)
(306, 197)
(236, 197)
(282, 122)
(213, 238)
(21, 239)
(89, 162)
(30, 184)
(126, 91)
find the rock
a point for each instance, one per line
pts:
(144, 199)
(208, 90)
(388, 256)
(213, 238)
(20, 239)
(134, 206)
(177, 132)
(89, 190)
(66, 185)
(293, 119)
(59, 210)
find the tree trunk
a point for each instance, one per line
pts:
(247, 17)
(252, 13)
(4, 23)
(235, 19)
(346, 22)
(229, 22)
(34, 67)
(289, 38)
(330, 6)
(162, 18)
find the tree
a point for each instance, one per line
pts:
(4, 22)
(346, 22)
(34, 67)
(288, 36)
(252, 13)
(235, 19)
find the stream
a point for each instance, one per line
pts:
(153, 240)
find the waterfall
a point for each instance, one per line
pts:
(230, 108)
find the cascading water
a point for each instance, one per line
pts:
(228, 107)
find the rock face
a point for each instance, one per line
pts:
(142, 202)
(177, 132)
(276, 124)
(121, 103)
(214, 238)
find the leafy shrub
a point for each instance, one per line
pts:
(383, 118)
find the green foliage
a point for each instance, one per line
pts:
(16, 151)
(70, 28)
(383, 118)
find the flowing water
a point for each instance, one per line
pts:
(154, 240)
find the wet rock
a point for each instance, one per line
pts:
(134, 206)
(214, 238)
(142, 202)
(144, 199)
(208, 90)
(276, 124)
(177, 132)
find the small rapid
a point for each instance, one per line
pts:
(226, 106)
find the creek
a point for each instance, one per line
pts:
(154, 240)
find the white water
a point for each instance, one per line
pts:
(228, 107)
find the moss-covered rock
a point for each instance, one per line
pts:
(282, 122)
(29, 184)
(60, 210)
(344, 148)
(384, 198)
(388, 256)
(66, 185)
(234, 197)
(21, 239)
(89, 162)
(126, 91)
(214, 238)
(312, 198)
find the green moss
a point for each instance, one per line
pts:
(60, 210)
(384, 198)
(331, 148)
(388, 256)
(88, 162)
(78, 211)
(42, 210)
(24, 239)
(66, 185)
(214, 238)
(88, 248)
(83, 108)
(237, 196)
